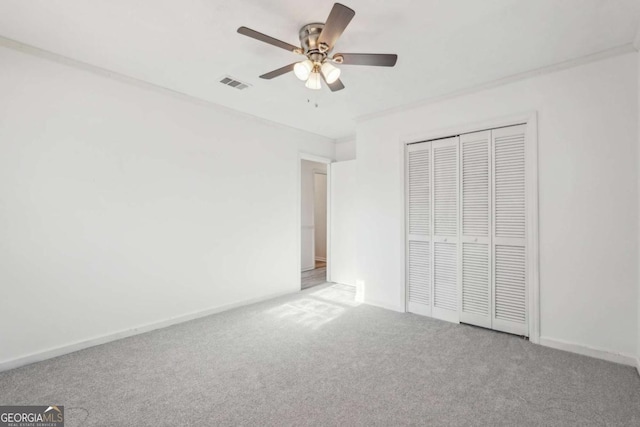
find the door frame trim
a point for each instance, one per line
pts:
(315, 172)
(530, 119)
(318, 159)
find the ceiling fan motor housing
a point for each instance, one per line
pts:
(309, 35)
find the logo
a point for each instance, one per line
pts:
(32, 416)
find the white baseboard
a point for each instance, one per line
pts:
(383, 305)
(308, 268)
(81, 345)
(625, 359)
(318, 258)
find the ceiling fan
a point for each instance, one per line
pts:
(317, 41)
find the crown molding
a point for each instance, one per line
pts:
(345, 139)
(143, 84)
(133, 81)
(594, 57)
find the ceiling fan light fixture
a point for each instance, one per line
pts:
(303, 69)
(317, 40)
(330, 72)
(313, 82)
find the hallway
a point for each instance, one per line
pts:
(315, 277)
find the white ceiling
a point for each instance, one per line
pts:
(443, 46)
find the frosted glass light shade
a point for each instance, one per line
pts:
(302, 70)
(331, 73)
(313, 82)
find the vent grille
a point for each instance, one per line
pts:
(230, 81)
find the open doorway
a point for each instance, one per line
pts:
(313, 256)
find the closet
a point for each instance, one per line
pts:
(466, 229)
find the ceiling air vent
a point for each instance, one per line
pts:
(230, 81)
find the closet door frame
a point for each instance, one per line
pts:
(531, 173)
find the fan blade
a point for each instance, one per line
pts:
(335, 86)
(375, 59)
(278, 72)
(337, 21)
(267, 39)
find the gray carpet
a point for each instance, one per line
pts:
(318, 358)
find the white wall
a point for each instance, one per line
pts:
(344, 220)
(346, 150)
(588, 195)
(320, 215)
(122, 206)
(307, 246)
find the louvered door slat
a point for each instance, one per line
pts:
(475, 279)
(510, 283)
(418, 271)
(445, 279)
(445, 161)
(509, 231)
(475, 184)
(475, 212)
(509, 171)
(445, 229)
(419, 192)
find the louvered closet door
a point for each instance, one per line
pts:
(445, 229)
(475, 211)
(509, 231)
(418, 197)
